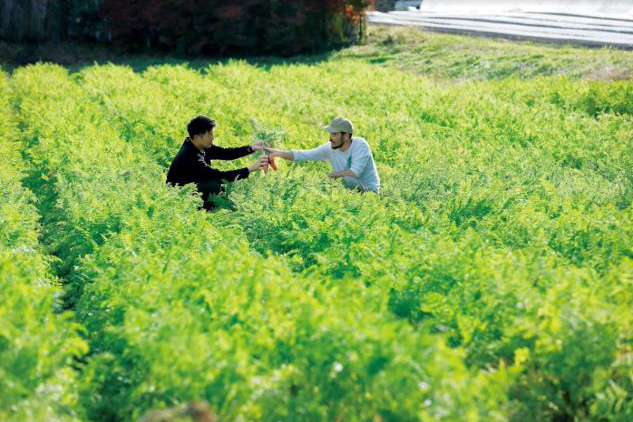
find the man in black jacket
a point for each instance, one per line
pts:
(192, 163)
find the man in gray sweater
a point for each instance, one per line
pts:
(351, 157)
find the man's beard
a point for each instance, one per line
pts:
(340, 145)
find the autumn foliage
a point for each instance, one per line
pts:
(281, 27)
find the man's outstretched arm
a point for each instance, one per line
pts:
(315, 154)
(203, 171)
(283, 153)
(216, 152)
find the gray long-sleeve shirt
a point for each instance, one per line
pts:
(358, 158)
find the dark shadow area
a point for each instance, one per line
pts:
(442, 57)
(76, 56)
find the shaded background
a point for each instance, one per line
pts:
(214, 27)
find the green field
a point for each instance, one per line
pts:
(491, 280)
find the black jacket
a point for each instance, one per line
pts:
(192, 165)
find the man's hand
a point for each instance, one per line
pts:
(280, 153)
(261, 162)
(347, 173)
(259, 145)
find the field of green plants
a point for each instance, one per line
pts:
(491, 280)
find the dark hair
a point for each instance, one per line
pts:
(199, 125)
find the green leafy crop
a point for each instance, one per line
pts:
(491, 280)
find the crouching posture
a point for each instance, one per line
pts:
(351, 157)
(192, 164)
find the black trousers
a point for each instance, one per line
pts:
(208, 188)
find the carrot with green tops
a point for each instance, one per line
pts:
(268, 135)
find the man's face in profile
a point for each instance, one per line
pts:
(336, 140)
(207, 139)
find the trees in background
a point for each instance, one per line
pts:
(280, 27)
